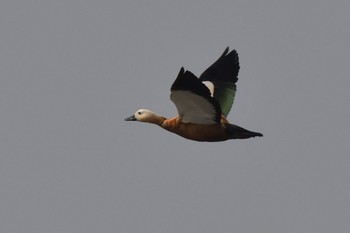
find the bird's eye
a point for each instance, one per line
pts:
(139, 113)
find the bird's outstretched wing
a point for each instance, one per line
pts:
(223, 74)
(193, 100)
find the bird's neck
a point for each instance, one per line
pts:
(156, 119)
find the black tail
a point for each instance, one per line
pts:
(236, 132)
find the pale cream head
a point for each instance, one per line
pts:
(144, 115)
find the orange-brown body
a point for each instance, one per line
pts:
(197, 132)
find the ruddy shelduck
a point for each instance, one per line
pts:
(203, 104)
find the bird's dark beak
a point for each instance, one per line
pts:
(131, 118)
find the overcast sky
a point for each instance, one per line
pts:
(71, 71)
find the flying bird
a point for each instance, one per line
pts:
(203, 103)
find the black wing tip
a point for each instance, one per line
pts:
(225, 68)
(233, 53)
(185, 73)
(187, 81)
(226, 52)
(181, 72)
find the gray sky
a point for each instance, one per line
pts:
(71, 71)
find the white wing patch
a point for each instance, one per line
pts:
(210, 86)
(193, 108)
